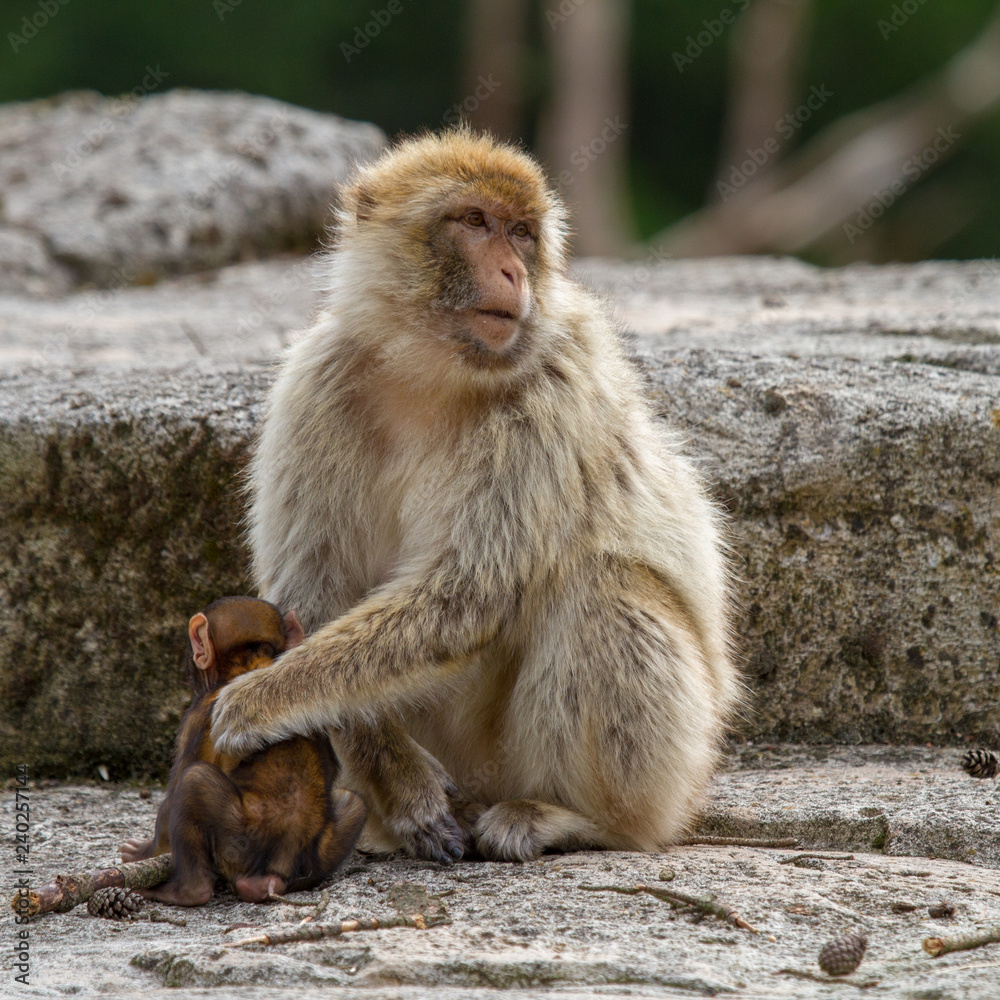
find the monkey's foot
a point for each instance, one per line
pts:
(420, 816)
(522, 830)
(194, 894)
(257, 888)
(428, 835)
(137, 850)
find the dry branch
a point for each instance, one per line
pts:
(736, 842)
(67, 891)
(315, 932)
(935, 946)
(705, 905)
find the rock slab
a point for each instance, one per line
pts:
(122, 191)
(862, 866)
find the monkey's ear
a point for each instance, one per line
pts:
(202, 650)
(293, 629)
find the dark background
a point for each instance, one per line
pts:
(421, 63)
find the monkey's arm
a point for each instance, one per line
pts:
(396, 644)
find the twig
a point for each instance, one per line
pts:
(273, 897)
(315, 932)
(736, 842)
(321, 904)
(158, 916)
(706, 906)
(935, 946)
(867, 984)
(821, 857)
(67, 891)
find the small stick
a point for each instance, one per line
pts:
(157, 916)
(706, 906)
(822, 857)
(321, 904)
(67, 891)
(935, 946)
(736, 842)
(866, 984)
(315, 932)
(273, 897)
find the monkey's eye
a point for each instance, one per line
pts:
(475, 219)
(521, 230)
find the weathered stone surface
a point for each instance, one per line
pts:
(866, 502)
(119, 511)
(937, 312)
(535, 930)
(122, 191)
(236, 315)
(866, 524)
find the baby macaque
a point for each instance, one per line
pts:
(266, 824)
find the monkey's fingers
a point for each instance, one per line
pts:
(439, 839)
(239, 727)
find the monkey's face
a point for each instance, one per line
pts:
(485, 257)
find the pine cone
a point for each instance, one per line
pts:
(115, 904)
(981, 763)
(843, 955)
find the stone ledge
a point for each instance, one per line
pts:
(534, 930)
(866, 523)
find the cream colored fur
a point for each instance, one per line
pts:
(517, 565)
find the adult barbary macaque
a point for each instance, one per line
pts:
(266, 824)
(512, 581)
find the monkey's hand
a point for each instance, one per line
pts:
(254, 711)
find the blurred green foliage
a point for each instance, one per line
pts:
(411, 73)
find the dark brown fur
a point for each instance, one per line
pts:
(267, 824)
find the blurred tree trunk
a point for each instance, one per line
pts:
(494, 66)
(583, 136)
(866, 159)
(768, 51)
